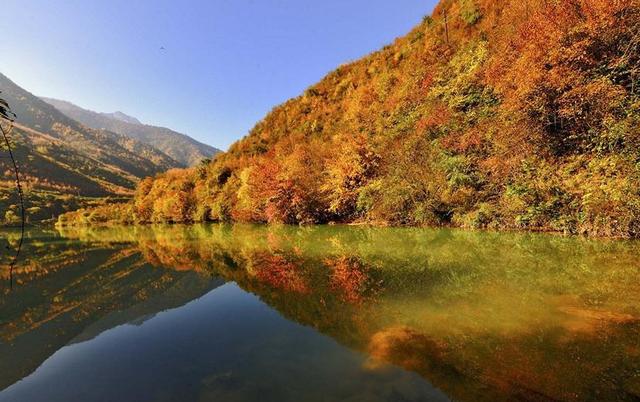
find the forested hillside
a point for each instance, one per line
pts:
(512, 114)
(65, 165)
(180, 147)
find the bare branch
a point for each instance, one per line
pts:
(8, 116)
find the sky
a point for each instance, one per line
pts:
(208, 68)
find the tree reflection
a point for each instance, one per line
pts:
(481, 315)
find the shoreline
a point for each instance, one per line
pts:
(356, 224)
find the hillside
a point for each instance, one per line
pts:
(180, 147)
(489, 114)
(64, 164)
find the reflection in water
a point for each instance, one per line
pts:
(481, 316)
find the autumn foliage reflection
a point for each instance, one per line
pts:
(483, 316)
(278, 272)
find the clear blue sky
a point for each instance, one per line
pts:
(226, 63)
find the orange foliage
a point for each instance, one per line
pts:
(349, 278)
(278, 272)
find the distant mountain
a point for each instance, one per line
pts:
(63, 162)
(120, 116)
(180, 147)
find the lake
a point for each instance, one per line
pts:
(327, 313)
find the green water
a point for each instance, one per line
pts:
(323, 313)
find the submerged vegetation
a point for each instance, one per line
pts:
(489, 114)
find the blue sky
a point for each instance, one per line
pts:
(226, 63)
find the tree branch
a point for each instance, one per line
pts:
(8, 116)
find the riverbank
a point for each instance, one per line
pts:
(123, 215)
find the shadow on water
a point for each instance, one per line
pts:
(481, 316)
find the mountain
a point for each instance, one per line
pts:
(180, 147)
(64, 164)
(502, 114)
(115, 115)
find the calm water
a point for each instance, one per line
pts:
(252, 313)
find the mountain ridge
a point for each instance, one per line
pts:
(118, 115)
(180, 147)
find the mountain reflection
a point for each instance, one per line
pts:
(482, 316)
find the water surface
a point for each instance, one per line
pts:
(242, 313)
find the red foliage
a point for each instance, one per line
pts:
(349, 278)
(280, 273)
